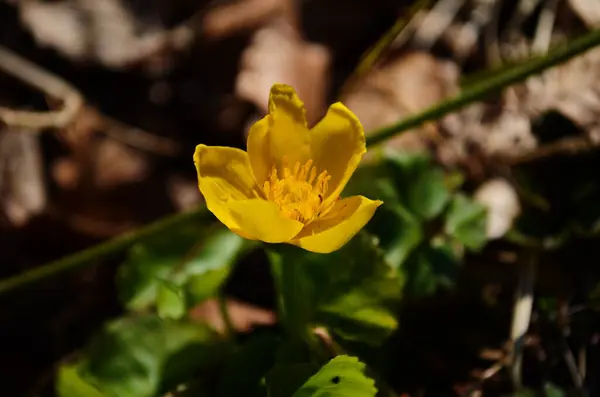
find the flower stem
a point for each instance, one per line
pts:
(87, 256)
(477, 92)
(493, 84)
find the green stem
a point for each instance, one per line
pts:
(106, 248)
(477, 92)
(493, 84)
(377, 51)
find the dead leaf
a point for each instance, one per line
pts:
(277, 54)
(243, 316)
(89, 30)
(117, 164)
(402, 86)
(184, 192)
(227, 19)
(22, 186)
(588, 11)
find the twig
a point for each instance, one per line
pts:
(522, 315)
(138, 138)
(569, 357)
(543, 33)
(562, 323)
(436, 22)
(490, 36)
(565, 146)
(44, 81)
(483, 89)
(86, 256)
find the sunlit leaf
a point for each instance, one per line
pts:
(70, 384)
(342, 377)
(186, 256)
(170, 301)
(146, 356)
(352, 291)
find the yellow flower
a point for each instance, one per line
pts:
(286, 188)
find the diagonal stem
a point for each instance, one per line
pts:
(106, 248)
(493, 84)
(477, 92)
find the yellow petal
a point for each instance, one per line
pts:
(262, 220)
(338, 144)
(331, 232)
(281, 134)
(224, 175)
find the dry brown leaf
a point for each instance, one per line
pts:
(277, 54)
(241, 15)
(105, 31)
(572, 88)
(403, 86)
(184, 193)
(117, 164)
(243, 316)
(22, 185)
(588, 11)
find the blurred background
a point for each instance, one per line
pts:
(103, 101)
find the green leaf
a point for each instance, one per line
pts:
(399, 232)
(364, 181)
(170, 300)
(353, 291)
(551, 390)
(466, 221)
(70, 384)
(420, 183)
(428, 269)
(146, 356)
(204, 286)
(186, 256)
(341, 377)
(247, 367)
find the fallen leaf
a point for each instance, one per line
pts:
(277, 54)
(243, 316)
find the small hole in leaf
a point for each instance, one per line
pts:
(335, 380)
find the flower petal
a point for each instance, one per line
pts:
(331, 232)
(259, 219)
(337, 145)
(224, 175)
(282, 133)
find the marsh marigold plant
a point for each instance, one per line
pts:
(286, 188)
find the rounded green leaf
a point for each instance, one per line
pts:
(342, 377)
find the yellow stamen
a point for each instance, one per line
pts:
(300, 192)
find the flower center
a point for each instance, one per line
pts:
(298, 192)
